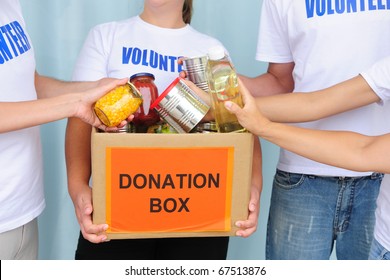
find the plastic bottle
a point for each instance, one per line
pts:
(223, 84)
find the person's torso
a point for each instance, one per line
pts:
(377, 77)
(21, 180)
(329, 41)
(134, 46)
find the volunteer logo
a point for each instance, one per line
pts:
(321, 8)
(13, 41)
(150, 58)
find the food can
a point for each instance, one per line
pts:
(196, 71)
(180, 107)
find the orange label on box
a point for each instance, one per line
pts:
(169, 189)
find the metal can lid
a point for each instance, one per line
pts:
(142, 74)
(123, 129)
(207, 126)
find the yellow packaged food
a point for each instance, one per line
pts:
(118, 104)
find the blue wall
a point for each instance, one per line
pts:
(58, 29)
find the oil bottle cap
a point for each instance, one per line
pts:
(216, 53)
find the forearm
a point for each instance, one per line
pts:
(257, 176)
(78, 156)
(49, 87)
(249, 226)
(342, 149)
(303, 107)
(277, 79)
(19, 115)
(264, 85)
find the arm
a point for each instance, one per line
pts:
(76, 104)
(339, 148)
(277, 79)
(50, 87)
(78, 166)
(302, 107)
(343, 149)
(90, 65)
(249, 226)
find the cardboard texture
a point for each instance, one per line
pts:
(171, 185)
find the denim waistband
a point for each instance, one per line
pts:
(374, 175)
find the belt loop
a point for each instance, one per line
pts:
(376, 175)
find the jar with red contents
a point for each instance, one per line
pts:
(145, 116)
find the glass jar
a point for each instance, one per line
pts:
(145, 116)
(118, 104)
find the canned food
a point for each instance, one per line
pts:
(125, 129)
(196, 71)
(180, 107)
(118, 104)
(206, 127)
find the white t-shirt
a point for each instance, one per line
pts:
(121, 49)
(21, 180)
(329, 41)
(378, 77)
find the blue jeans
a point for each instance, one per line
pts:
(309, 214)
(378, 252)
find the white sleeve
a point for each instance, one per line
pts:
(272, 42)
(378, 77)
(91, 64)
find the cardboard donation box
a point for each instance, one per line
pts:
(171, 185)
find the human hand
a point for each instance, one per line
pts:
(249, 116)
(87, 100)
(83, 208)
(183, 73)
(107, 81)
(249, 226)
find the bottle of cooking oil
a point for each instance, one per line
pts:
(223, 84)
